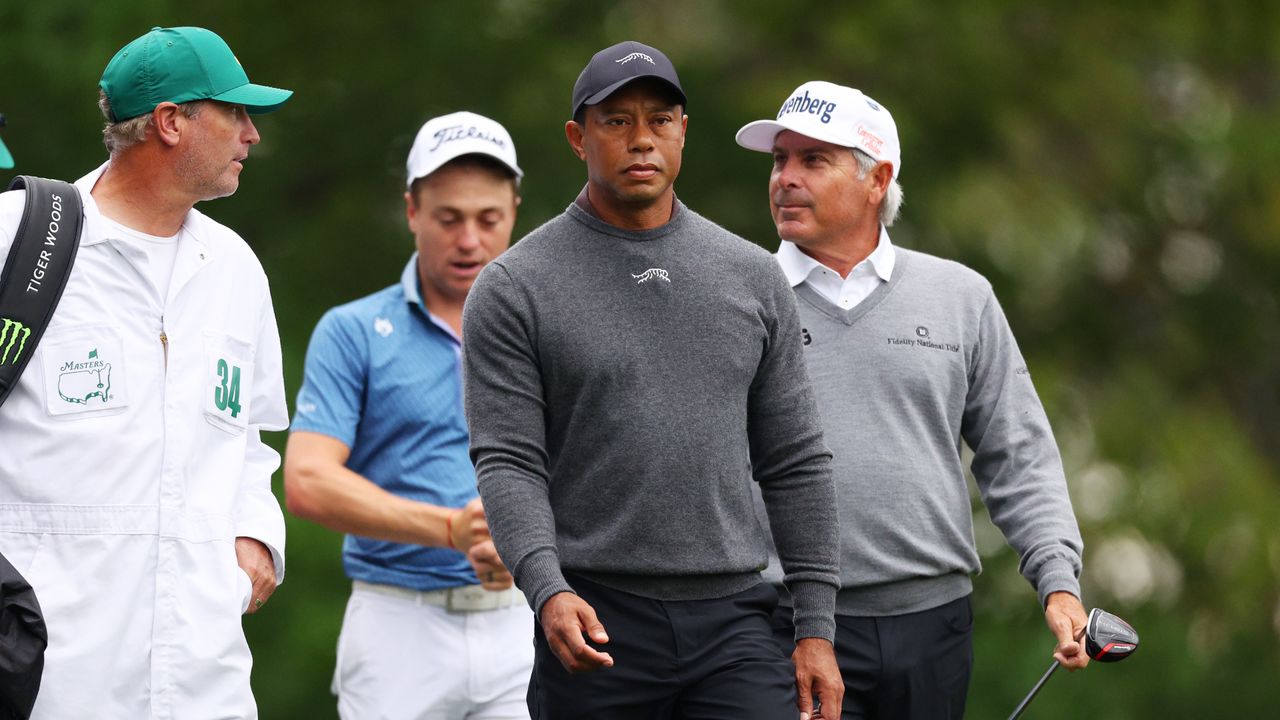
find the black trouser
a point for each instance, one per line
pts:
(673, 660)
(902, 666)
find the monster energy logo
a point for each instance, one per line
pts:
(14, 333)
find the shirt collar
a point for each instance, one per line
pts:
(884, 257)
(797, 266)
(85, 186)
(92, 234)
(411, 283)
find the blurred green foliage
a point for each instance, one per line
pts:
(1111, 167)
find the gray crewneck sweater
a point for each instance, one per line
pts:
(924, 362)
(623, 388)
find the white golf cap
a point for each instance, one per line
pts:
(832, 113)
(449, 136)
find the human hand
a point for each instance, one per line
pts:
(1066, 618)
(467, 526)
(484, 559)
(817, 674)
(255, 559)
(565, 618)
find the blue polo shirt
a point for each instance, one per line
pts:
(384, 377)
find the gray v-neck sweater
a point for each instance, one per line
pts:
(923, 363)
(623, 389)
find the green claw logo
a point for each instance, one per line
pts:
(9, 339)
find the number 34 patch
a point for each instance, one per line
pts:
(229, 373)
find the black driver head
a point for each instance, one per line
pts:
(1107, 638)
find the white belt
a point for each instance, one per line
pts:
(462, 599)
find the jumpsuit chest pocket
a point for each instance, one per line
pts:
(83, 371)
(228, 382)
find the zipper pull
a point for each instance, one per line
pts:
(164, 343)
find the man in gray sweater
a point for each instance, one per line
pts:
(630, 368)
(909, 356)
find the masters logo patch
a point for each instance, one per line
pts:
(80, 382)
(84, 371)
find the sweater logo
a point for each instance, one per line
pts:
(651, 274)
(383, 326)
(923, 339)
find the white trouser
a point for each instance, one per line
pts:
(401, 657)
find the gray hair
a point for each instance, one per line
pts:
(120, 136)
(892, 202)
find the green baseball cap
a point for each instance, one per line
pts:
(180, 65)
(6, 160)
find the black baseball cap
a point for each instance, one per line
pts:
(617, 65)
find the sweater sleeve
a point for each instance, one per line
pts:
(793, 467)
(505, 406)
(1016, 462)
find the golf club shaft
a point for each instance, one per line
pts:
(1031, 695)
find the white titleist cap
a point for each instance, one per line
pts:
(462, 133)
(832, 113)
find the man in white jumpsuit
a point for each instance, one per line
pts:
(135, 489)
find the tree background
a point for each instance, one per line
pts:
(1110, 167)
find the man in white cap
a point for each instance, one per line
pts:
(909, 356)
(378, 451)
(135, 486)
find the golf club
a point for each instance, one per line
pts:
(1107, 638)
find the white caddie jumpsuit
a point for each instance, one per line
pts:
(130, 460)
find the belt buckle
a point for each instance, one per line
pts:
(467, 598)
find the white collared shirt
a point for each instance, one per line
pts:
(845, 292)
(154, 256)
(132, 459)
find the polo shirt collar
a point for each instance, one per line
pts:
(410, 283)
(797, 266)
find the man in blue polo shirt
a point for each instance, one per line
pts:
(379, 447)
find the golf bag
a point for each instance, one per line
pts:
(35, 274)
